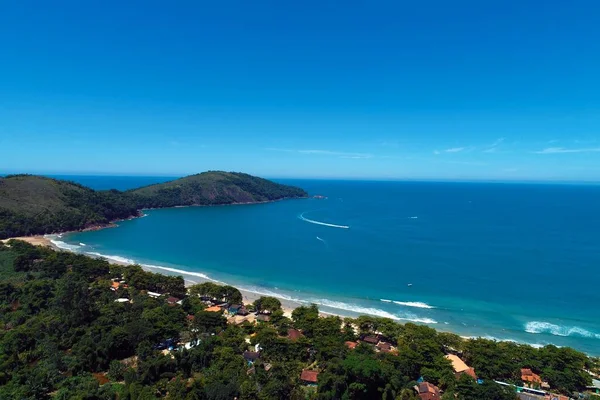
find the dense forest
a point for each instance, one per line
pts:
(32, 205)
(75, 327)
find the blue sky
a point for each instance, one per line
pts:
(422, 90)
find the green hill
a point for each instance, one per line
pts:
(212, 188)
(38, 205)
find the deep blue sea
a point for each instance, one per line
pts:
(507, 261)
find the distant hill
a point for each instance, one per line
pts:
(212, 188)
(32, 204)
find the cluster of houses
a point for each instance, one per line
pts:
(379, 343)
(534, 388)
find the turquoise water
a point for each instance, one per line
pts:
(507, 261)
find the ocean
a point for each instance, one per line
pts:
(506, 261)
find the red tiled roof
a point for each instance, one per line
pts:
(294, 334)
(428, 391)
(371, 339)
(213, 309)
(309, 376)
(527, 375)
(172, 299)
(351, 345)
(115, 285)
(190, 317)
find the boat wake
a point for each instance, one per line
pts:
(301, 216)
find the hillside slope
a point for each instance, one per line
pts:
(38, 205)
(212, 188)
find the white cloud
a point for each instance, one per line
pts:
(455, 150)
(492, 148)
(559, 150)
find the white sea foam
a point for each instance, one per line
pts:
(537, 327)
(318, 238)
(386, 300)
(371, 311)
(416, 304)
(119, 259)
(183, 272)
(301, 216)
(82, 244)
(413, 217)
(65, 246)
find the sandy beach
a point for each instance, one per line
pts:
(248, 297)
(34, 240)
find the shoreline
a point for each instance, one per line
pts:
(249, 296)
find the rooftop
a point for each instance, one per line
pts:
(309, 376)
(458, 364)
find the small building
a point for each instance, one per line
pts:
(351, 345)
(294, 334)
(234, 309)
(213, 309)
(122, 300)
(189, 318)
(173, 300)
(427, 391)
(384, 347)
(263, 318)
(114, 286)
(242, 311)
(371, 339)
(309, 377)
(460, 367)
(595, 386)
(530, 378)
(153, 294)
(251, 356)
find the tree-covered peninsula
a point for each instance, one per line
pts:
(32, 205)
(74, 327)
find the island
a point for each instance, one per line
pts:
(37, 205)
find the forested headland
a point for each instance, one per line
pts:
(75, 327)
(33, 205)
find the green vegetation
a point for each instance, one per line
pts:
(32, 205)
(213, 188)
(64, 336)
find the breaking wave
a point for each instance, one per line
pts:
(537, 327)
(301, 216)
(416, 304)
(371, 311)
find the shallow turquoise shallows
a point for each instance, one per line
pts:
(508, 261)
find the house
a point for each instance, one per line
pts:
(371, 339)
(351, 345)
(242, 311)
(309, 377)
(251, 356)
(427, 391)
(122, 300)
(234, 309)
(153, 294)
(384, 347)
(595, 387)
(189, 318)
(213, 309)
(173, 300)
(460, 367)
(114, 286)
(530, 378)
(263, 318)
(294, 334)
